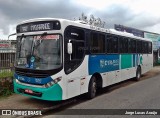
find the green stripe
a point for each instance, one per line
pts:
(53, 93)
(126, 61)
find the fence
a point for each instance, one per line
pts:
(7, 60)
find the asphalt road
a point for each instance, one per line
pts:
(129, 94)
(144, 94)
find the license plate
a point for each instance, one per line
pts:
(28, 91)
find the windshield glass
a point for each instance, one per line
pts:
(39, 52)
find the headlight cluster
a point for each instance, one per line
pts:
(51, 83)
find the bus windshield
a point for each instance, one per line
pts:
(39, 52)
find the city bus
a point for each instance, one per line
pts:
(57, 59)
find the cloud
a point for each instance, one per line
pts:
(142, 21)
(125, 12)
(14, 12)
(115, 14)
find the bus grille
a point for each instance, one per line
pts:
(29, 74)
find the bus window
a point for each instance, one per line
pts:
(123, 45)
(149, 47)
(97, 43)
(139, 46)
(94, 43)
(77, 37)
(101, 43)
(112, 44)
(132, 46)
(78, 50)
(144, 47)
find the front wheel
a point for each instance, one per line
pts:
(92, 89)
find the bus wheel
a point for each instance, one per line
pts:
(138, 74)
(92, 88)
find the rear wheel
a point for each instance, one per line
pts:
(138, 74)
(92, 90)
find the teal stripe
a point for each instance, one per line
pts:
(53, 93)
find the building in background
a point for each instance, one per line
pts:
(134, 31)
(155, 37)
(7, 53)
(156, 45)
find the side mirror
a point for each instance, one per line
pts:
(11, 35)
(69, 45)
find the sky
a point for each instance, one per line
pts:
(140, 14)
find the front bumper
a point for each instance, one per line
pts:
(53, 93)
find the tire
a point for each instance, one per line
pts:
(138, 74)
(92, 89)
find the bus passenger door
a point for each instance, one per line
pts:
(73, 56)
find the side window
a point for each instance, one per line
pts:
(112, 44)
(132, 46)
(144, 47)
(149, 47)
(120, 44)
(139, 46)
(78, 48)
(77, 37)
(97, 43)
(101, 43)
(94, 42)
(109, 47)
(123, 45)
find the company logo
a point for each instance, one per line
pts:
(104, 63)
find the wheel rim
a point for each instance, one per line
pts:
(94, 88)
(138, 74)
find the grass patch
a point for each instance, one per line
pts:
(6, 74)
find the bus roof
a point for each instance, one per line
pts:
(87, 26)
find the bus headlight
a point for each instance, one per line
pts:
(51, 83)
(17, 81)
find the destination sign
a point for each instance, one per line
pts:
(39, 26)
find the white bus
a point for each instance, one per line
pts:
(58, 59)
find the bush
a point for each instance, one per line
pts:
(6, 83)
